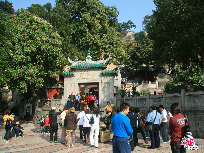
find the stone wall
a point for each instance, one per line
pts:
(105, 84)
(192, 104)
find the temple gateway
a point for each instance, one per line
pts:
(85, 76)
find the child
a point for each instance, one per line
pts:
(42, 125)
(18, 130)
(47, 125)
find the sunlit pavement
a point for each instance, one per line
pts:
(34, 142)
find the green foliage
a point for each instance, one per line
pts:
(176, 27)
(124, 27)
(134, 92)
(3, 101)
(122, 93)
(144, 92)
(6, 7)
(192, 77)
(85, 25)
(139, 56)
(31, 53)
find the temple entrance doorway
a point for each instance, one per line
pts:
(86, 88)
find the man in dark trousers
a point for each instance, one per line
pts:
(156, 118)
(53, 124)
(122, 129)
(134, 123)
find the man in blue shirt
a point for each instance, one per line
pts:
(155, 117)
(122, 129)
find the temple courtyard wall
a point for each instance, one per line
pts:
(192, 105)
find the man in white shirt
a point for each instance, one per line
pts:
(164, 124)
(81, 122)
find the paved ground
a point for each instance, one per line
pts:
(33, 142)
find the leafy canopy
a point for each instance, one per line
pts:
(85, 25)
(191, 79)
(176, 27)
(31, 53)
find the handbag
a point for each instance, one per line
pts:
(150, 125)
(91, 121)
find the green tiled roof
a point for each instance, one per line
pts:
(110, 72)
(88, 65)
(67, 73)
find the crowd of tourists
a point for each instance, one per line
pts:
(79, 102)
(125, 124)
(89, 122)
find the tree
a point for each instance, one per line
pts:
(139, 53)
(31, 53)
(139, 58)
(191, 79)
(124, 27)
(87, 25)
(176, 27)
(6, 7)
(44, 12)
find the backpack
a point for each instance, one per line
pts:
(9, 123)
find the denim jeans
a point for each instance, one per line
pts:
(176, 147)
(164, 131)
(121, 145)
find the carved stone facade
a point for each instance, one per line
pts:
(192, 104)
(82, 76)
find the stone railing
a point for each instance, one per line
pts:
(192, 104)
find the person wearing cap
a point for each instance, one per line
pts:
(156, 118)
(53, 124)
(70, 124)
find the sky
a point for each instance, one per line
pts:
(134, 10)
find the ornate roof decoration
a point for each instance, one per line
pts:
(110, 69)
(88, 64)
(88, 57)
(102, 61)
